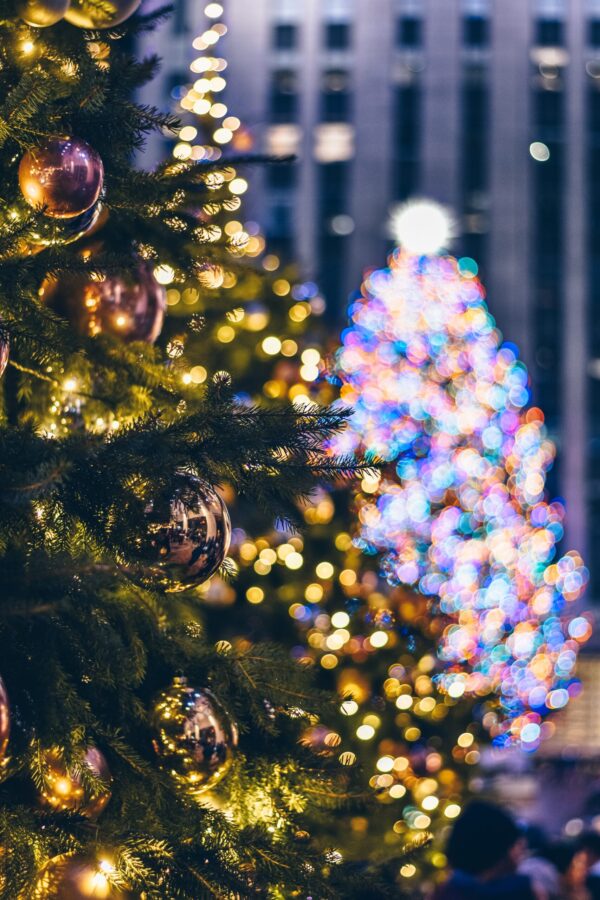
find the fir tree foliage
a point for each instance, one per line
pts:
(92, 428)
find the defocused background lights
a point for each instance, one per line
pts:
(539, 151)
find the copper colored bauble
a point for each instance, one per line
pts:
(65, 789)
(75, 876)
(42, 13)
(4, 350)
(104, 15)
(4, 722)
(65, 175)
(49, 232)
(188, 535)
(131, 308)
(195, 736)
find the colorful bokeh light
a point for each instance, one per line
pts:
(460, 512)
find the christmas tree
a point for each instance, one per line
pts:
(140, 756)
(460, 514)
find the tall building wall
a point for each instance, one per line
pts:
(491, 107)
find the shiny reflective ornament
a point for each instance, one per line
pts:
(65, 175)
(4, 352)
(78, 877)
(195, 736)
(65, 789)
(4, 722)
(175, 348)
(188, 535)
(131, 308)
(42, 13)
(58, 232)
(101, 15)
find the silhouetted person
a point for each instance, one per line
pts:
(587, 860)
(484, 850)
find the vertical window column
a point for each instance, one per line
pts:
(333, 185)
(593, 417)
(547, 151)
(474, 155)
(406, 140)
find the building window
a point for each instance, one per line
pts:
(334, 142)
(406, 141)
(548, 108)
(180, 25)
(284, 104)
(594, 33)
(409, 31)
(285, 36)
(333, 183)
(474, 155)
(549, 33)
(337, 35)
(283, 140)
(593, 348)
(476, 31)
(282, 176)
(335, 96)
(279, 228)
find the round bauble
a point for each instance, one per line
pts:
(112, 13)
(64, 175)
(195, 736)
(4, 722)
(75, 876)
(65, 789)
(188, 535)
(131, 308)
(4, 351)
(42, 13)
(58, 232)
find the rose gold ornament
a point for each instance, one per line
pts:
(42, 13)
(130, 308)
(4, 722)
(65, 175)
(4, 352)
(112, 13)
(65, 789)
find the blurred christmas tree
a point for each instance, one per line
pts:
(460, 513)
(123, 774)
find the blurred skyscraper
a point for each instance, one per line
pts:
(492, 108)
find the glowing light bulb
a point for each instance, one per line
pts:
(422, 227)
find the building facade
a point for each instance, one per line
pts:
(491, 107)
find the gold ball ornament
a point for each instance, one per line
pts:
(79, 877)
(131, 308)
(188, 535)
(64, 175)
(105, 15)
(195, 736)
(4, 722)
(42, 13)
(65, 789)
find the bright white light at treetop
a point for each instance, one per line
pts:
(422, 227)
